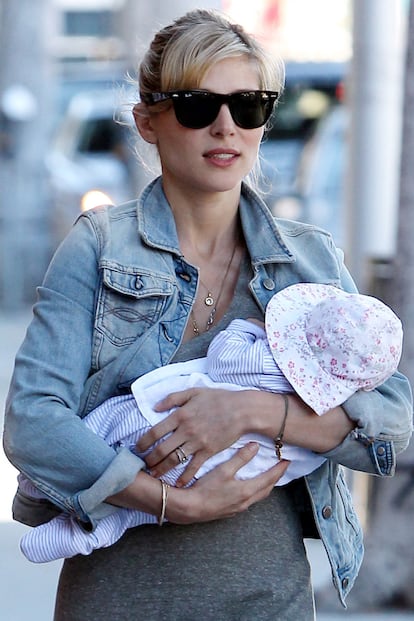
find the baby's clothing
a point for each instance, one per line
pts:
(239, 353)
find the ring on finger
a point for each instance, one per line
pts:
(181, 456)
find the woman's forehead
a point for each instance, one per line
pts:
(231, 74)
(200, 74)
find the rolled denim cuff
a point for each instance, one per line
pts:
(355, 453)
(90, 505)
(363, 448)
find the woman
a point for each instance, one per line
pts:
(150, 282)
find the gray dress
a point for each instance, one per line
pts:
(252, 567)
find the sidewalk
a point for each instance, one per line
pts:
(27, 590)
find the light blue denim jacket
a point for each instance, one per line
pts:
(114, 305)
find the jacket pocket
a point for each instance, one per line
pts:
(130, 302)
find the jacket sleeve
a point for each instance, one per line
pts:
(44, 437)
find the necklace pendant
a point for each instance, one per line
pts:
(210, 320)
(209, 300)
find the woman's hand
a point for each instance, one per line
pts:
(219, 494)
(205, 421)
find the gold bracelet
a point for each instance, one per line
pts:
(164, 495)
(278, 441)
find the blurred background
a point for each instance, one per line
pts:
(340, 154)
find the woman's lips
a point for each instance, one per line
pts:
(222, 157)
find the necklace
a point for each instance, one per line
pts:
(210, 301)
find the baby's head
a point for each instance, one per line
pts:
(329, 343)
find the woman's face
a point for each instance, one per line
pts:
(217, 157)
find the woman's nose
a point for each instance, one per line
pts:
(223, 124)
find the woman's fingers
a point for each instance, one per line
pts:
(266, 478)
(173, 400)
(228, 495)
(169, 424)
(157, 432)
(180, 455)
(241, 458)
(191, 470)
(231, 466)
(265, 482)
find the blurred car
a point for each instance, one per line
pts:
(311, 89)
(90, 161)
(318, 194)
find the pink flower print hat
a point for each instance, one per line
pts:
(329, 343)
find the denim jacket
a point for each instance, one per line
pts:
(114, 305)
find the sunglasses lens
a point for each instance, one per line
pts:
(250, 110)
(196, 110)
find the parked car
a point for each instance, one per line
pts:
(318, 194)
(312, 89)
(91, 159)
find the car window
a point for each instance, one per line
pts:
(299, 109)
(100, 136)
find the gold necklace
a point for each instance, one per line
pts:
(210, 301)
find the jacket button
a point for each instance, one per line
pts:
(327, 512)
(268, 284)
(380, 451)
(345, 583)
(184, 276)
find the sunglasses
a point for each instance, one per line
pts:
(196, 109)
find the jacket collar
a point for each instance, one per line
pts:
(264, 241)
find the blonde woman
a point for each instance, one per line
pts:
(150, 282)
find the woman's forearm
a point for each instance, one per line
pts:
(143, 494)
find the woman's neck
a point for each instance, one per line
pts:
(206, 224)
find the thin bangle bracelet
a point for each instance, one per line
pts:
(164, 495)
(278, 441)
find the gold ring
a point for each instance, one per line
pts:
(181, 456)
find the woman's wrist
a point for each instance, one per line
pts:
(262, 412)
(182, 507)
(143, 494)
(148, 494)
(303, 427)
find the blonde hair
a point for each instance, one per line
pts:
(181, 54)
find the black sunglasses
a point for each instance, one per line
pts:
(196, 109)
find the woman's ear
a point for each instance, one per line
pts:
(143, 123)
